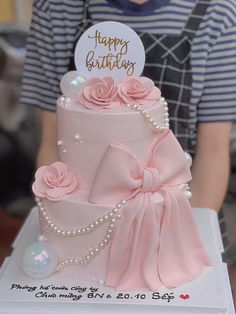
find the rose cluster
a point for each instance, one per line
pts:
(104, 93)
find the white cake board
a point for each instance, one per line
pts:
(210, 293)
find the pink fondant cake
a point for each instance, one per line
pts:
(115, 207)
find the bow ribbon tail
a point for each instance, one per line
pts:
(181, 256)
(133, 256)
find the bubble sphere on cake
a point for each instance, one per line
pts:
(115, 206)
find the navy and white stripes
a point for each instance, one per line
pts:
(53, 32)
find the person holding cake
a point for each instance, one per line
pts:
(120, 172)
(189, 55)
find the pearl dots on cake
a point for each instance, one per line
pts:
(166, 114)
(111, 218)
(77, 139)
(187, 192)
(64, 101)
(189, 159)
(59, 143)
(157, 128)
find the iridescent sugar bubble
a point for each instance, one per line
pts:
(39, 260)
(70, 83)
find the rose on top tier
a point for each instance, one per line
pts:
(139, 91)
(99, 93)
(54, 181)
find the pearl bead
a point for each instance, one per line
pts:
(59, 143)
(188, 194)
(41, 238)
(77, 137)
(189, 159)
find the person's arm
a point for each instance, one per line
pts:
(48, 148)
(210, 168)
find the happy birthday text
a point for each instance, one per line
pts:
(114, 58)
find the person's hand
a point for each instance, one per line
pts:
(48, 149)
(210, 168)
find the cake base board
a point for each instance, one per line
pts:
(210, 293)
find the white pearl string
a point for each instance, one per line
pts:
(113, 214)
(112, 217)
(157, 128)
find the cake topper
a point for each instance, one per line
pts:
(109, 49)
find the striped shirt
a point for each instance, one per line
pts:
(55, 24)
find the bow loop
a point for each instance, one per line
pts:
(121, 177)
(151, 180)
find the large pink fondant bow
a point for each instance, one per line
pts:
(156, 242)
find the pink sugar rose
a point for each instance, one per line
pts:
(99, 93)
(139, 91)
(54, 181)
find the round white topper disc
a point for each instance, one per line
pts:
(109, 49)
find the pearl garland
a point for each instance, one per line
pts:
(112, 217)
(146, 115)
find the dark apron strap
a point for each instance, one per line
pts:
(195, 19)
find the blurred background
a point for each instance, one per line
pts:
(19, 137)
(19, 131)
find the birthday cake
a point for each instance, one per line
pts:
(115, 207)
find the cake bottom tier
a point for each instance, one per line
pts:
(75, 228)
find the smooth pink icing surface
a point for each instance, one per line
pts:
(97, 130)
